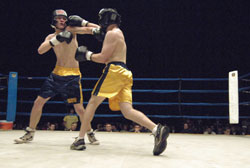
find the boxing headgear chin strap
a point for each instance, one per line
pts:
(57, 12)
(108, 16)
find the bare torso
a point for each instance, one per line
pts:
(120, 51)
(65, 53)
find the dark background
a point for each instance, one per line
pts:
(177, 38)
(165, 39)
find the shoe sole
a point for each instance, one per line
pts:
(95, 143)
(81, 147)
(163, 146)
(17, 141)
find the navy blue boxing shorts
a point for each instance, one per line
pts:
(65, 82)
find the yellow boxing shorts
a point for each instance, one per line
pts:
(115, 84)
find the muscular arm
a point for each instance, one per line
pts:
(108, 48)
(80, 30)
(45, 46)
(93, 25)
(75, 20)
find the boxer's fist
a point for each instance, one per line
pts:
(75, 20)
(61, 37)
(98, 33)
(82, 54)
(64, 36)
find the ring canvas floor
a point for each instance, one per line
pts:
(51, 149)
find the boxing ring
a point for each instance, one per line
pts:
(184, 99)
(174, 102)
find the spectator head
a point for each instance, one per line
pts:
(71, 111)
(227, 131)
(108, 127)
(52, 127)
(137, 128)
(185, 126)
(73, 126)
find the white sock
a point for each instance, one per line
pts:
(80, 138)
(30, 129)
(154, 130)
(88, 132)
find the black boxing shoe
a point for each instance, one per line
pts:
(161, 136)
(78, 144)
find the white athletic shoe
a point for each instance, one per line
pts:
(28, 136)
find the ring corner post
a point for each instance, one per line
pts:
(233, 91)
(12, 96)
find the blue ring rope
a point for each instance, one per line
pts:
(120, 115)
(243, 76)
(148, 103)
(144, 103)
(154, 90)
(244, 88)
(146, 79)
(150, 79)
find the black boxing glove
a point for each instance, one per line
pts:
(75, 20)
(82, 54)
(98, 33)
(61, 37)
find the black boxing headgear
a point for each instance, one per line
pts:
(108, 16)
(58, 12)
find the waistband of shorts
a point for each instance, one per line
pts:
(122, 64)
(65, 71)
